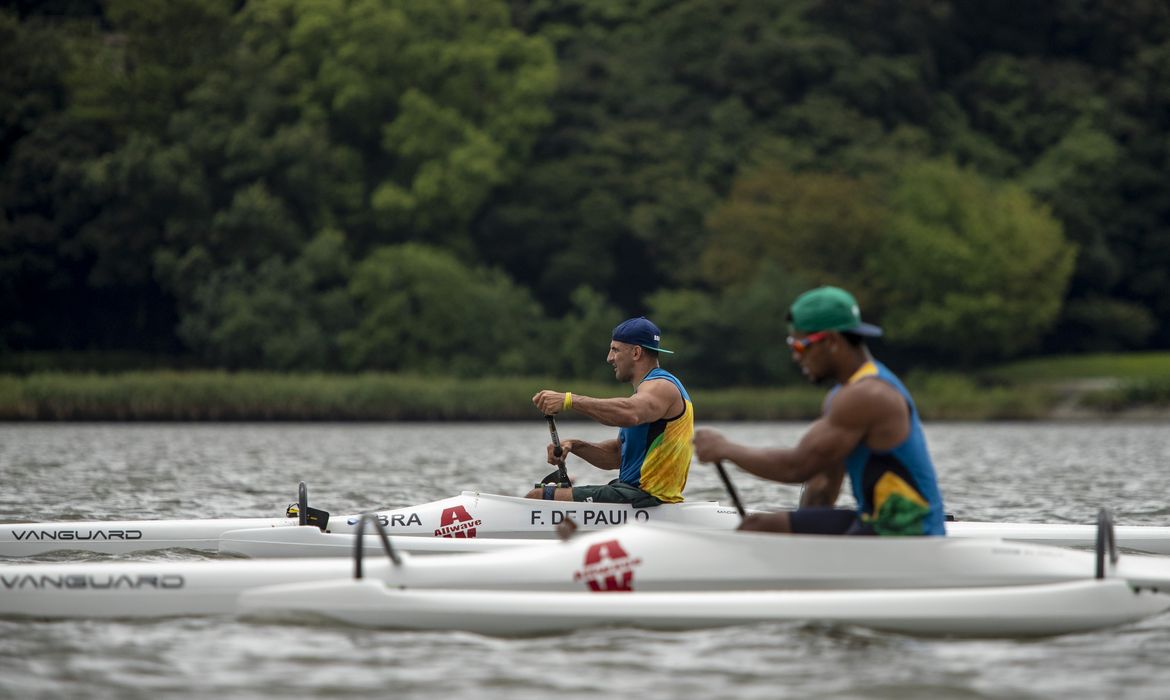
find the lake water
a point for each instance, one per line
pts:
(1019, 472)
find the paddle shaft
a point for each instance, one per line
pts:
(558, 452)
(730, 488)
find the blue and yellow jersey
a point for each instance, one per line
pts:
(896, 491)
(656, 457)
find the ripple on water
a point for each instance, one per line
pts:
(1021, 472)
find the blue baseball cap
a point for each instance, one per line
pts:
(639, 331)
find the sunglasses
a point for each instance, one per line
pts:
(799, 345)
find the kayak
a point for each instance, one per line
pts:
(468, 517)
(634, 557)
(998, 611)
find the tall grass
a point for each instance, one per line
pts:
(1135, 394)
(223, 396)
(1133, 365)
(256, 396)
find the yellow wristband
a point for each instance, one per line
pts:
(568, 401)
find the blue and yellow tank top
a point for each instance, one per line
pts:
(656, 457)
(896, 491)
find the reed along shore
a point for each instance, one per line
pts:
(196, 395)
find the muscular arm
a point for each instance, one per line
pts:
(857, 411)
(823, 489)
(603, 455)
(654, 399)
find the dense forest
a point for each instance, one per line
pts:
(478, 187)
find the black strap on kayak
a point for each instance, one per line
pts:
(304, 514)
(1106, 541)
(358, 549)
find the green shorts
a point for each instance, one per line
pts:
(615, 492)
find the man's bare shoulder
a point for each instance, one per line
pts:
(658, 384)
(665, 396)
(866, 398)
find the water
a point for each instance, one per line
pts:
(1019, 472)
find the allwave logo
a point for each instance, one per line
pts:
(608, 568)
(457, 522)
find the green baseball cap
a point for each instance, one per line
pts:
(829, 309)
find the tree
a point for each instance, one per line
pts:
(280, 316)
(823, 224)
(420, 309)
(736, 336)
(967, 269)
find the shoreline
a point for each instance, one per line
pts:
(222, 397)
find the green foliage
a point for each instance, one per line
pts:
(1137, 394)
(736, 337)
(967, 269)
(282, 315)
(1097, 324)
(166, 168)
(758, 403)
(821, 224)
(1131, 365)
(584, 335)
(945, 396)
(265, 396)
(419, 308)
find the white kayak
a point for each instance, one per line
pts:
(635, 557)
(465, 518)
(469, 515)
(997, 611)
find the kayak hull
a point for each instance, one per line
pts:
(465, 519)
(1009, 611)
(470, 515)
(1140, 538)
(642, 558)
(268, 542)
(123, 536)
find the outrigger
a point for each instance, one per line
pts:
(966, 586)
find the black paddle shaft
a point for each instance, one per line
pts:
(558, 452)
(730, 489)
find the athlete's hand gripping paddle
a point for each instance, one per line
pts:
(558, 452)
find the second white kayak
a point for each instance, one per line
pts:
(1039, 609)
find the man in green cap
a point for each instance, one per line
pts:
(869, 430)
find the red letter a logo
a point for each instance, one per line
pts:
(611, 568)
(454, 516)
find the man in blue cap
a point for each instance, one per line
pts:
(869, 430)
(653, 449)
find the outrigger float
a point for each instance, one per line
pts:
(469, 522)
(684, 577)
(937, 604)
